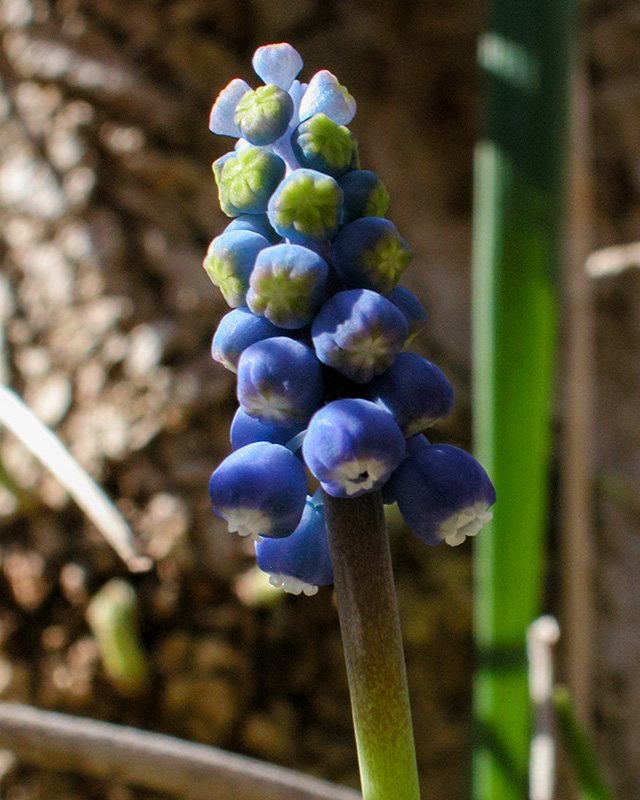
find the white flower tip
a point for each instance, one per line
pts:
(292, 585)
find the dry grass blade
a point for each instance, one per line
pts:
(48, 449)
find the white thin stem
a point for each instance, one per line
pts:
(49, 450)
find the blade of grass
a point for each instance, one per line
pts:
(48, 449)
(519, 189)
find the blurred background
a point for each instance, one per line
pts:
(107, 205)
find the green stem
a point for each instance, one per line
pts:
(373, 647)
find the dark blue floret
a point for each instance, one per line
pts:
(260, 490)
(358, 332)
(352, 446)
(364, 195)
(414, 391)
(442, 492)
(238, 330)
(279, 380)
(301, 562)
(370, 254)
(411, 307)
(246, 430)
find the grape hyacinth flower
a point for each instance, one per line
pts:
(369, 253)
(236, 331)
(318, 338)
(260, 490)
(414, 391)
(287, 285)
(279, 380)
(352, 446)
(301, 562)
(443, 493)
(229, 262)
(358, 332)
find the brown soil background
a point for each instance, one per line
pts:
(107, 204)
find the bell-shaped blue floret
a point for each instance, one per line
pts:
(306, 207)
(258, 223)
(279, 380)
(277, 63)
(223, 110)
(414, 391)
(364, 195)
(442, 492)
(238, 330)
(263, 115)
(246, 430)
(246, 178)
(301, 562)
(287, 285)
(369, 253)
(321, 144)
(325, 95)
(260, 490)
(229, 261)
(352, 446)
(413, 310)
(358, 333)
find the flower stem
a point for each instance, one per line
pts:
(373, 647)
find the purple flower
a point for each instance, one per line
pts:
(370, 254)
(238, 330)
(301, 562)
(352, 446)
(325, 95)
(277, 63)
(414, 391)
(442, 492)
(229, 261)
(358, 333)
(412, 309)
(247, 430)
(279, 380)
(287, 285)
(260, 490)
(306, 207)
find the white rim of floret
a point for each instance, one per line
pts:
(350, 474)
(250, 522)
(292, 585)
(468, 522)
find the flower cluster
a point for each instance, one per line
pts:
(318, 333)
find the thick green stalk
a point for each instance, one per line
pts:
(579, 748)
(519, 187)
(373, 647)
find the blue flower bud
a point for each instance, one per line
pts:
(279, 380)
(297, 92)
(352, 446)
(258, 223)
(246, 178)
(370, 254)
(364, 195)
(306, 206)
(236, 331)
(277, 63)
(246, 430)
(229, 261)
(358, 333)
(412, 309)
(287, 285)
(224, 108)
(260, 490)
(263, 115)
(442, 492)
(319, 143)
(414, 391)
(325, 95)
(301, 562)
